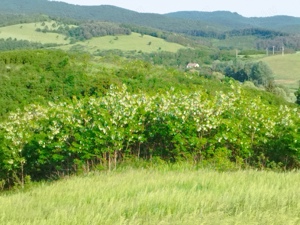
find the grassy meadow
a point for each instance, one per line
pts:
(159, 196)
(133, 42)
(285, 68)
(27, 32)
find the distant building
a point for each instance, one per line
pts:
(192, 65)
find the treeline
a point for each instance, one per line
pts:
(87, 30)
(257, 32)
(13, 44)
(258, 73)
(290, 43)
(7, 19)
(180, 59)
(166, 35)
(204, 33)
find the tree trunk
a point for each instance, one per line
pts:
(115, 158)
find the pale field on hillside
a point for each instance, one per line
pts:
(286, 69)
(133, 42)
(27, 32)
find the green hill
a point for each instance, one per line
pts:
(236, 21)
(133, 42)
(219, 25)
(285, 68)
(218, 21)
(103, 12)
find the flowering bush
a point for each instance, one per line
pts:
(82, 134)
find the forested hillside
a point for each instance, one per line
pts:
(103, 13)
(236, 21)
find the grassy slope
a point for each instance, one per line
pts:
(147, 196)
(27, 32)
(133, 42)
(285, 68)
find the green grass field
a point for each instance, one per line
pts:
(133, 42)
(159, 196)
(27, 32)
(286, 69)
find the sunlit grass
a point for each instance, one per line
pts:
(133, 42)
(27, 32)
(285, 68)
(164, 196)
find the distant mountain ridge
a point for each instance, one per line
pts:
(225, 18)
(218, 21)
(236, 21)
(103, 12)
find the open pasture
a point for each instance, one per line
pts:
(159, 196)
(286, 69)
(133, 42)
(28, 32)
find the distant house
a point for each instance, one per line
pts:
(192, 65)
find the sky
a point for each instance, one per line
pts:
(247, 8)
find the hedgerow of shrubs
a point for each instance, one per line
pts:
(100, 132)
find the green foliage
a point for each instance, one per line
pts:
(39, 76)
(89, 30)
(13, 44)
(7, 19)
(298, 96)
(249, 52)
(257, 72)
(79, 121)
(68, 137)
(178, 59)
